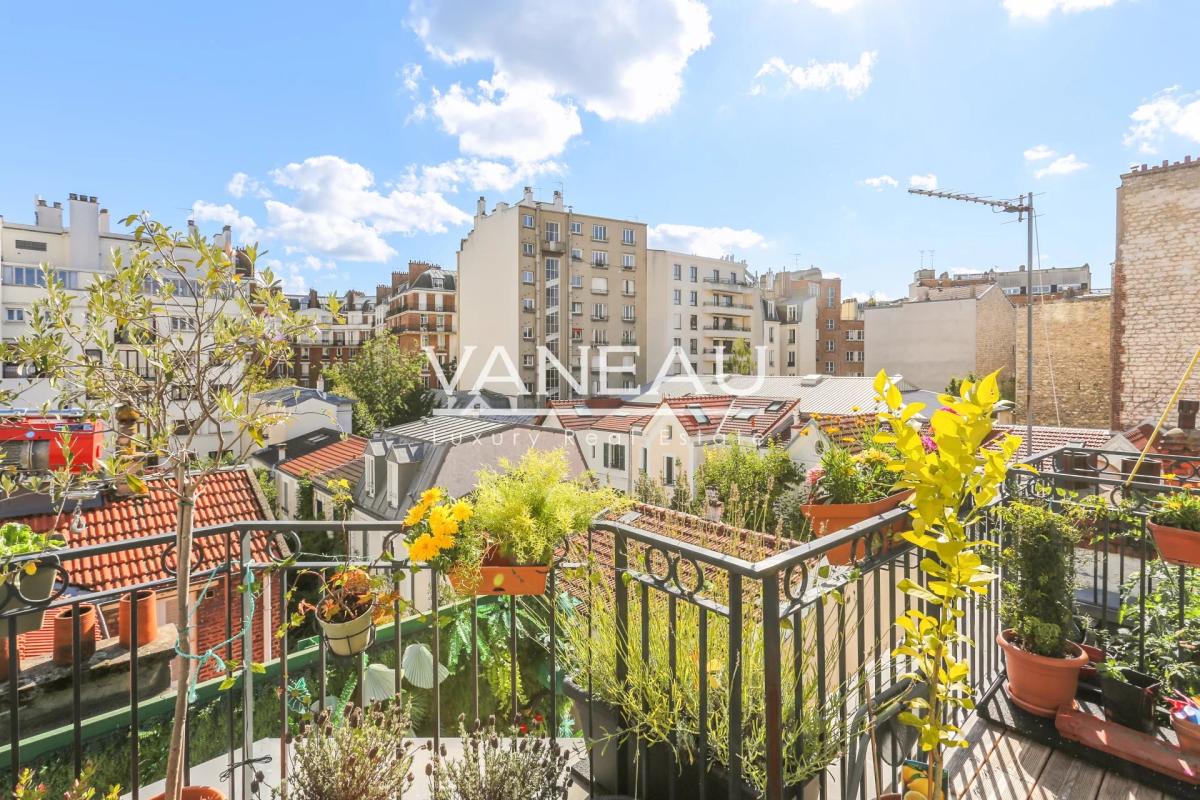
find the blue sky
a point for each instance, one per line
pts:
(348, 142)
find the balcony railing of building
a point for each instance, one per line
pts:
(737, 282)
(730, 328)
(737, 306)
(553, 246)
(428, 327)
(761, 670)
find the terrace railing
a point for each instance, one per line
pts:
(726, 666)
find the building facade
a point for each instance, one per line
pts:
(421, 308)
(338, 341)
(1048, 283)
(541, 274)
(814, 335)
(1156, 304)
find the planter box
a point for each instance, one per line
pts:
(1176, 545)
(1130, 702)
(828, 518)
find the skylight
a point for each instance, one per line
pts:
(698, 414)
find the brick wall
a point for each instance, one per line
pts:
(1156, 289)
(994, 336)
(210, 622)
(1072, 360)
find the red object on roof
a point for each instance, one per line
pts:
(34, 442)
(323, 459)
(224, 497)
(40, 643)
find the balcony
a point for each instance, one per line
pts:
(739, 652)
(729, 308)
(428, 327)
(731, 282)
(739, 329)
(554, 247)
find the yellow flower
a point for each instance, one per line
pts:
(854, 408)
(423, 548)
(440, 521)
(431, 496)
(443, 541)
(461, 511)
(414, 516)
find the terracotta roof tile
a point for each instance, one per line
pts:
(756, 416)
(700, 415)
(326, 458)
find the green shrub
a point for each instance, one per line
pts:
(1180, 510)
(1039, 578)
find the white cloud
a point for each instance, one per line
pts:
(1041, 9)
(337, 211)
(880, 182)
(522, 122)
(245, 229)
(862, 297)
(836, 6)
(1061, 166)
(242, 184)
(618, 59)
(289, 274)
(1168, 112)
(476, 174)
(701, 241)
(411, 75)
(817, 75)
(1039, 153)
(923, 181)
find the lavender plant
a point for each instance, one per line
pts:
(497, 767)
(366, 756)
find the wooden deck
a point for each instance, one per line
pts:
(1000, 764)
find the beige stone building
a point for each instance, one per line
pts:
(814, 334)
(931, 341)
(1048, 282)
(1072, 362)
(1156, 289)
(539, 274)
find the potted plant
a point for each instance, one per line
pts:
(1185, 719)
(30, 582)
(359, 753)
(522, 514)
(1175, 525)
(82, 788)
(847, 488)
(499, 766)
(352, 602)
(1037, 611)
(1129, 696)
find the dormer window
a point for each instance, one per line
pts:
(393, 484)
(369, 473)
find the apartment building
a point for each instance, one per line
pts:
(338, 341)
(1048, 283)
(813, 335)
(79, 248)
(538, 273)
(420, 307)
(699, 304)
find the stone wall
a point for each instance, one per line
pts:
(1072, 362)
(1156, 289)
(994, 342)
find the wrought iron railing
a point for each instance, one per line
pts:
(746, 666)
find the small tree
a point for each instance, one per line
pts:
(386, 382)
(174, 341)
(740, 360)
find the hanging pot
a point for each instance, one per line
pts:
(1040, 684)
(35, 588)
(64, 629)
(1130, 699)
(828, 518)
(1176, 545)
(350, 638)
(498, 575)
(147, 618)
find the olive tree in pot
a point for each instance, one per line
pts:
(1037, 609)
(172, 342)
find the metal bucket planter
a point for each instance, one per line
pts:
(22, 590)
(350, 638)
(1130, 699)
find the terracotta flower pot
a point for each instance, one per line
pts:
(1188, 733)
(34, 588)
(64, 632)
(196, 793)
(1088, 671)
(827, 518)
(500, 576)
(1176, 545)
(349, 638)
(1040, 684)
(147, 618)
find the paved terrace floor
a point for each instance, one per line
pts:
(1000, 764)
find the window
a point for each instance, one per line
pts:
(369, 476)
(678, 342)
(829, 345)
(14, 314)
(527, 303)
(829, 297)
(791, 336)
(614, 456)
(677, 271)
(668, 433)
(25, 244)
(693, 346)
(527, 220)
(627, 261)
(855, 356)
(668, 470)
(551, 269)
(627, 236)
(792, 358)
(600, 233)
(576, 281)
(576, 308)
(527, 248)
(393, 484)
(527, 333)
(716, 276)
(770, 336)
(599, 336)
(551, 231)
(527, 276)
(599, 285)
(576, 254)
(645, 458)
(577, 228)
(628, 288)
(599, 258)
(692, 321)
(829, 324)
(677, 297)
(600, 311)
(527, 360)
(693, 298)
(551, 296)
(577, 333)
(829, 367)
(628, 337)
(627, 313)
(693, 274)
(678, 322)
(180, 324)
(552, 323)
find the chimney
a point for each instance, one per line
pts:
(45, 216)
(528, 198)
(280, 452)
(1187, 414)
(314, 300)
(382, 291)
(558, 198)
(481, 207)
(104, 220)
(84, 244)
